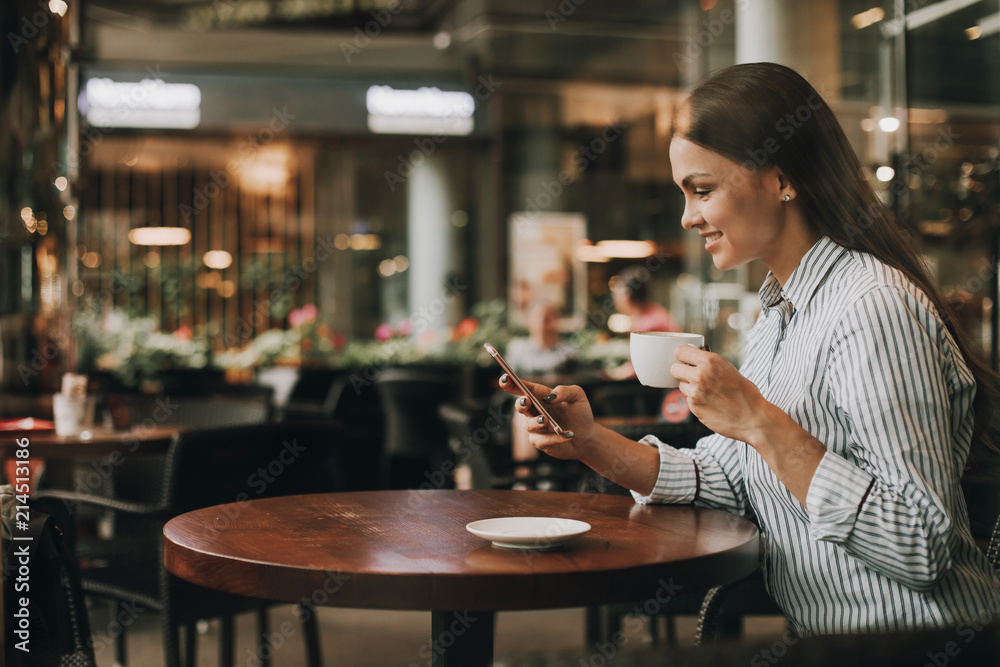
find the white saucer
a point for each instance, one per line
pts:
(528, 532)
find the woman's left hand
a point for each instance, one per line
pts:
(718, 394)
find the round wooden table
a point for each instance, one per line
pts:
(409, 550)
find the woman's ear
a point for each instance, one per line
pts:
(786, 191)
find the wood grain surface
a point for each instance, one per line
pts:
(409, 550)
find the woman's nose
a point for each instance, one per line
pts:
(691, 217)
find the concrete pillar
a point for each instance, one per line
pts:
(800, 35)
(429, 210)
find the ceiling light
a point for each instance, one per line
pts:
(442, 40)
(867, 18)
(986, 26)
(386, 268)
(627, 249)
(931, 13)
(888, 124)
(159, 236)
(217, 259)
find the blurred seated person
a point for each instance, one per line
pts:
(630, 290)
(543, 353)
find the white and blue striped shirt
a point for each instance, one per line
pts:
(858, 356)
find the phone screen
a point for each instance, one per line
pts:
(553, 424)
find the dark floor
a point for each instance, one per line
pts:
(364, 638)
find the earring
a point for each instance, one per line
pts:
(785, 198)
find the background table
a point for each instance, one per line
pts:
(94, 445)
(410, 550)
(99, 442)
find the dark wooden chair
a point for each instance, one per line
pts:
(479, 435)
(203, 468)
(416, 442)
(624, 398)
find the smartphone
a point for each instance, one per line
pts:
(553, 424)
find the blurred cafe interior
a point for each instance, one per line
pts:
(318, 211)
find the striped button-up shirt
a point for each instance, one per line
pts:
(858, 356)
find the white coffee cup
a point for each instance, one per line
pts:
(652, 355)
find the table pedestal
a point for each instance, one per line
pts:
(462, 638)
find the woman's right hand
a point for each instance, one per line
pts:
(568, 405)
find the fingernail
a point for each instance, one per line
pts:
(523, 402)
(503, 379)
(549, 397)
(541, 420)
(570, 434)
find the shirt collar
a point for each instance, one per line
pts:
(806, 277)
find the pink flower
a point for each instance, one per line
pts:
(300, 316)
(383, 332)
(183, 333)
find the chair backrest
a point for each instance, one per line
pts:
(470, 440)
(249, 405)
(314, 384)
(410, 398)
(993, 550)
(208, 467)
(626, 398)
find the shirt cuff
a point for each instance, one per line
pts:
(836, 494)
(678, 480)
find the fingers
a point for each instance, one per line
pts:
(564, 394)
(689, 354)
(511, 387)
(542, 435)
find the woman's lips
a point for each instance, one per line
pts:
(711, 240)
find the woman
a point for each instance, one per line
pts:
(846, 430)
(630, 290)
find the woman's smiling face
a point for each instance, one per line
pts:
(736, 211)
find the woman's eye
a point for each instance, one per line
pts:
(701, 193)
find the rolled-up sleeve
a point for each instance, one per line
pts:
(884, 497)
(710, 475)
(836, 494)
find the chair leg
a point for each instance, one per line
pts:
(671, 622)
(264, 650)
(594, 631)
(310, 630)
(121, 655)
(227, 636)
(190, 644)
(171, 643)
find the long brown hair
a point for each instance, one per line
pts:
(763, 114)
